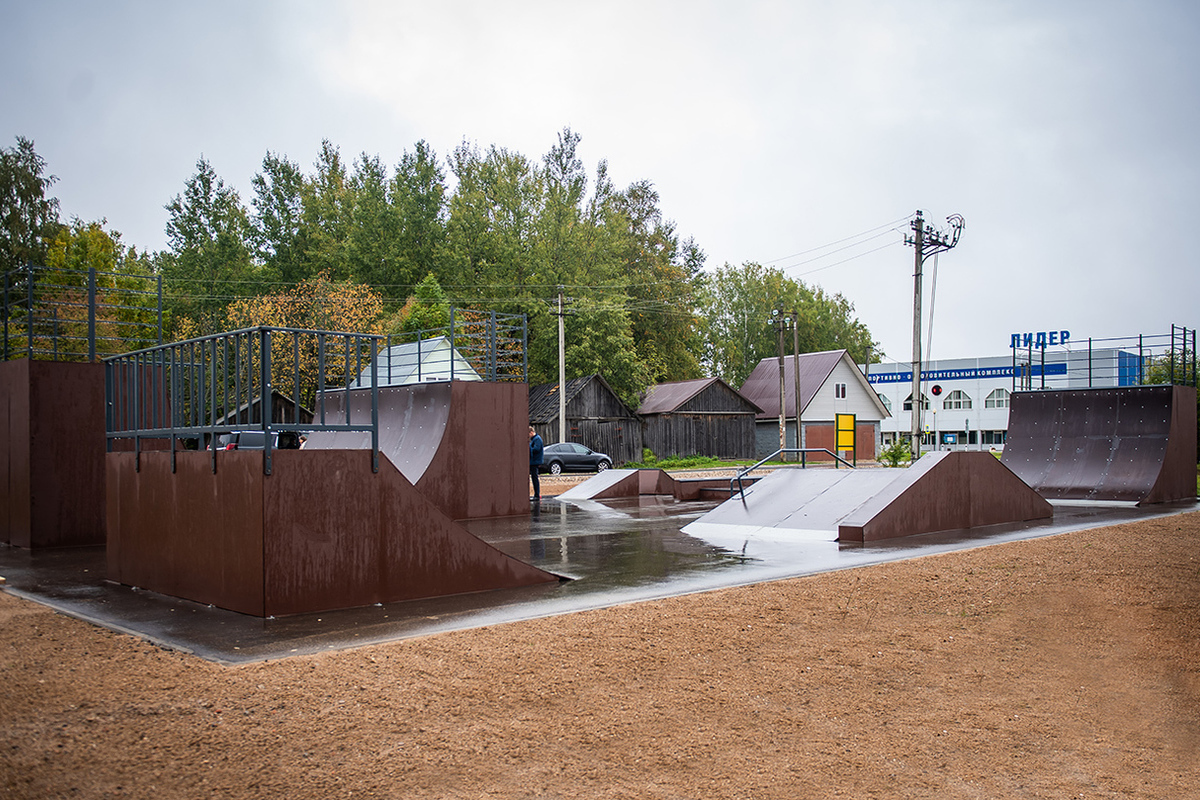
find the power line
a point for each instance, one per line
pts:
(891, 224)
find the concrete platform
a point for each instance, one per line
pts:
(618, 551)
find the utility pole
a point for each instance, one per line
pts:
(926, 242)
(780, 322)
(562, 371)
(796, 377)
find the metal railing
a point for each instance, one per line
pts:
(475, 346)
(803, 453)
(269, 379)
(74, 315)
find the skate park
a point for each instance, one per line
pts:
(403, 515)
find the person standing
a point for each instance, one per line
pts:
(535, 462)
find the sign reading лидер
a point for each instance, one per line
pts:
(1040, 340)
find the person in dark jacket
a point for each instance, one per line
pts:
(535, 462)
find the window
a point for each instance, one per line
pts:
(957, 399)
(886, 403)
(997, 399)
(839, 391)
(924, 403)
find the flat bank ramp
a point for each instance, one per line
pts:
(942, 491)
(1135, 444)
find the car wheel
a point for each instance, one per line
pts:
(603, 465)
(555, 468)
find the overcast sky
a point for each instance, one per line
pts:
(1065, 133)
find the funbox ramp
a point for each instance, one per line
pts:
(614, 483)
(1135, 444)
(941, 492)
(463, 444)
(321, 532)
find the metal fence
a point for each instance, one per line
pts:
(183, 395)
(283, 381)
(76, 315)
(475, 345)
(1102, 363)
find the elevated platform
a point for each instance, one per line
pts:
(321, 532)
(1135, 443)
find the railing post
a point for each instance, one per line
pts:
(160, 337)
(91, 314)
(264, 405)
(29, 310)
(374, 404)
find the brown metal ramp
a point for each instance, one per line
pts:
(1135, 444)
(461, 443)
(942, 492)
(321, 532)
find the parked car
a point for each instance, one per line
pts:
(257, 440)
(571, 457)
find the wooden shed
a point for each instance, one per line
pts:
(703, 417)
(596, 418)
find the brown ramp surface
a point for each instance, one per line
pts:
(463, 444)
(321, 532)
(943, 492)
(1135, 443)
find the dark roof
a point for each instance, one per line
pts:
(543, 398)
(762, 387)
(664, 398)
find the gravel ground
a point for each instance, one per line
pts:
(1050, 668)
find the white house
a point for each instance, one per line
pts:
(830, 384)
(424, 361)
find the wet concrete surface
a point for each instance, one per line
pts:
(613, 552)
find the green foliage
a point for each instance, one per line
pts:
(427, 310)
(897, 453)
(677, 462)
(210, 263)
(27, 215)
(736, 305)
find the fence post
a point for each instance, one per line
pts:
(452, 348)
(92, 314)
(5, 316)
(29, 310)
(264, 385)
(160, 339)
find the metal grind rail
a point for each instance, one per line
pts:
(801, 451)
(262, 379)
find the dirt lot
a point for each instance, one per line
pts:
(1054, 668)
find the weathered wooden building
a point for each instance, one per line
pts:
(596, 417)
(699, 417)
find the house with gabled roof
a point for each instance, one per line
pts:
(596, 417)
(423, 361)
(830, 384)
(705, 417)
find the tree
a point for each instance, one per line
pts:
(418, 195)
(318, 303)
(371, 234)
(27, 215)
(736, 307)
(328, 212)
(210, 263)
(277, 225)
(426, 310)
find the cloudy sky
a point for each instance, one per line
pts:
(802, 135)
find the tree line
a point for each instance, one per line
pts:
(484, 229)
